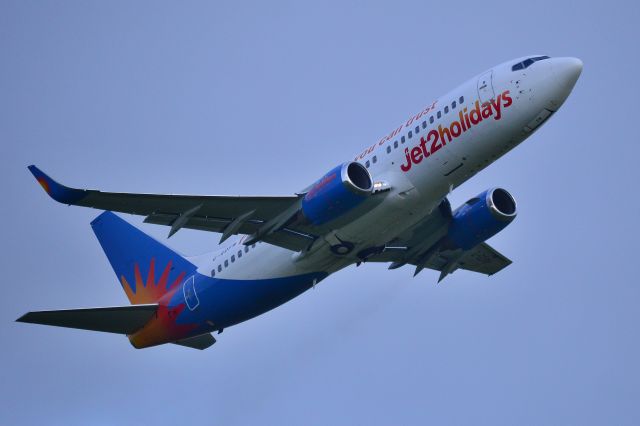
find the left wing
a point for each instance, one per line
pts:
(266, 218)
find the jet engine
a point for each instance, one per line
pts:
(481, 218)
(340, 190)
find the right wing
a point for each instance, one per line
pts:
(229, 215)
(422, 246)
(484, 259)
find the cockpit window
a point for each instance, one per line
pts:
(527, 62)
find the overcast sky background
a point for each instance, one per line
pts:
(263, 98)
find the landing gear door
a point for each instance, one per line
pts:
(485, 87)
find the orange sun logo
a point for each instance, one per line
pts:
(162, 327)
(44, 184)
(150, 291)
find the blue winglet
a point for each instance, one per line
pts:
(60, 193)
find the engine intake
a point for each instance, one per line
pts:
(481, 218)
(337, 192)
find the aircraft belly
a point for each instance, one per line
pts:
(226, 302)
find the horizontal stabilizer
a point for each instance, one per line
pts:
(201, 342)
(116, 319)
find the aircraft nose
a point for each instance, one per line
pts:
(568, 70)
(565, 74)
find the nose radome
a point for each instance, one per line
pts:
(568, 69)
(566, 72)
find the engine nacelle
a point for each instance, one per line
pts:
(337, 192)
(481, 218)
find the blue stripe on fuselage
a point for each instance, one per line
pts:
(226, 302)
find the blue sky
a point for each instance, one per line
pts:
(263, 98)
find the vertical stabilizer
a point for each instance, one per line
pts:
(146, 268)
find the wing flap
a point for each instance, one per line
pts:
(484, 259)
(116, 319)
(287, 238)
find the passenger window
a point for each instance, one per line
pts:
(367, 164)
(461, 100)
(431, 119)
(374, 159)
(226, 263)
(239, 254)
(233, 258)
(439, 114)
(417, 129)
(424, 124)
(213, 273)
(453, 105)
(402, 139)
(253, 246)
(246, 249)
(395, 144)
(446, 109)
(410, 134)
(388, 149)
(219, 268)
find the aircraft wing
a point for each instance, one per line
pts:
(226, 214)
(421, 247)
(482, 258)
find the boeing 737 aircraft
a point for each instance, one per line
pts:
(388, 204)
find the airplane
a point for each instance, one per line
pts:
(388, 204)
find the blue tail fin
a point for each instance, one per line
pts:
(146, 268)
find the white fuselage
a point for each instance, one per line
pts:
(420, 170)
